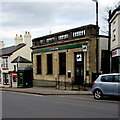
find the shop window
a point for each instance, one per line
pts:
(5, 79)
(39, 65)
(49, 64)
(62, 63)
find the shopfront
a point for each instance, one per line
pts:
(116, 61)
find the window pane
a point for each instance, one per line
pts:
(62, 63)
(5, 62)
(39, 64)
(49, 64)
(117, 78)
(108, 78)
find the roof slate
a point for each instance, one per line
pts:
(9, 50)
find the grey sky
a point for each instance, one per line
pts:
(42, 17)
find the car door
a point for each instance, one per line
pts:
(117, 85)
(107, 84)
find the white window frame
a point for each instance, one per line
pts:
(5, 62)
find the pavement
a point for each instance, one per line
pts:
(49, 91)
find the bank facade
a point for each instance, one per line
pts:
(67, 57)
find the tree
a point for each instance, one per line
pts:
(105, 28)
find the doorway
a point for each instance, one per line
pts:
(79, 68)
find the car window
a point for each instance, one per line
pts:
(108, 78)
(117, 78)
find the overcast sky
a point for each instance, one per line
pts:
(39, 18)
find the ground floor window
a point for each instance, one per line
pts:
(49, 64)
(116, 64)
(105, 61)
(0, 77)
(39, 65)
(62, 63)
(5, 78)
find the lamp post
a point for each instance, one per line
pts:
(97, 32)
(96, 1)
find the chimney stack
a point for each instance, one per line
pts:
(2, 44)
(27, 38)
(18, 39)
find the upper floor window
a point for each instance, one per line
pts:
(63, 37)
(50, 39)
(78, 33)
(5, 62)
(114, 26)
(114, 31)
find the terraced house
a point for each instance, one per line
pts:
(70, 57)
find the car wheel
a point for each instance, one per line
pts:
(98, 94)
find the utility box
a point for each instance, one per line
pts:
(25, 77)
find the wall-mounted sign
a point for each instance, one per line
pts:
(84, 48)
(116, 53)
(53, 49)
(79, 57)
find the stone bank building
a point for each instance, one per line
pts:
(69, 57)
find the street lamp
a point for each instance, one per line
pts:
(97, 32)
(96, 11)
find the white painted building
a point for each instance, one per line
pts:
(115, 40)
(22, 50)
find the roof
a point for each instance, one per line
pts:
(114, 11)
(66, 31)
(20, 59)
(9, 50)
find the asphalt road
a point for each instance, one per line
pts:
(16, 105)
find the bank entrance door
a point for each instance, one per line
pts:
(79, 68)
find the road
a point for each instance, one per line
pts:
(17, 105)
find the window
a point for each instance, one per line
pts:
(62, 63)
(117, 78)
(5, 62)
(105, 61)
(49, 64)
(63, 37)
(79, 33)
(50, 39)
(5, 79)
(108, 78)
(39, 65)
(0, 76)
(114, 31)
